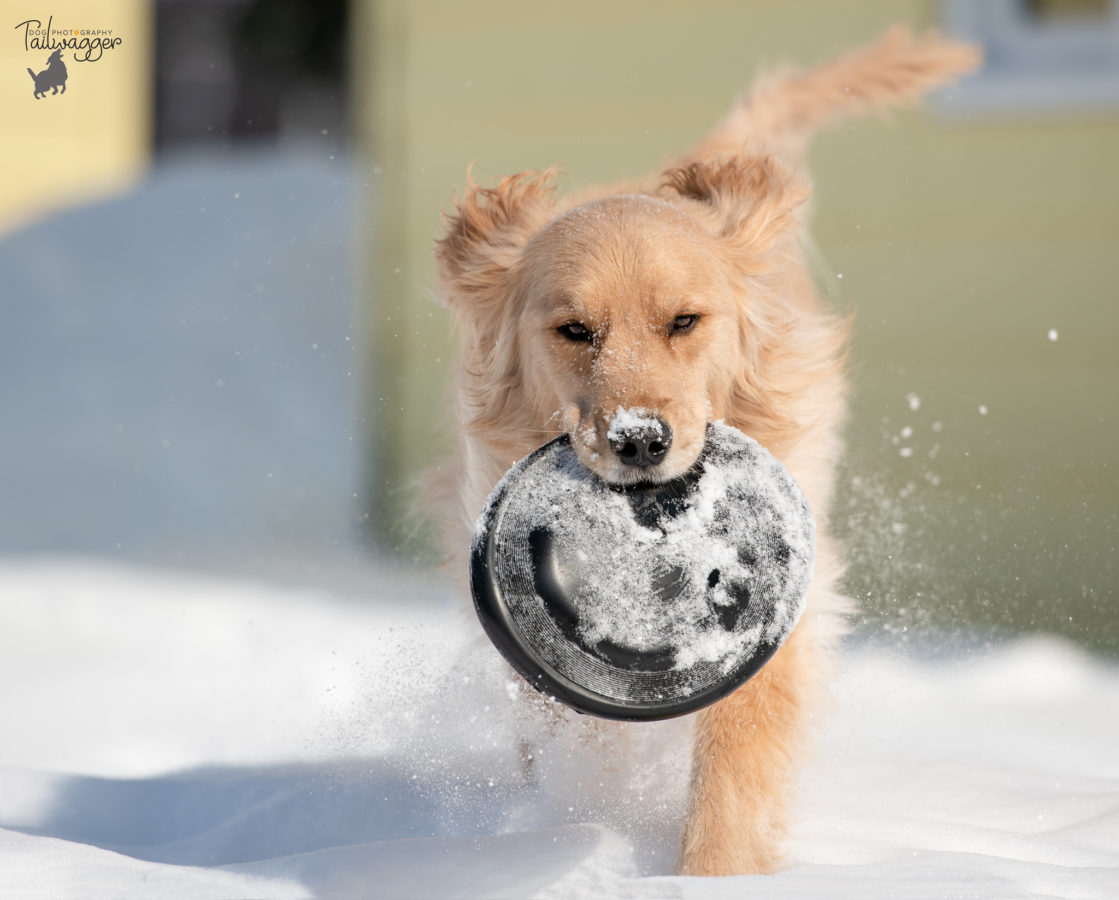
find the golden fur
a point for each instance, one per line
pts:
(717, 235)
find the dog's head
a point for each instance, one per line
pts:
(629, 321)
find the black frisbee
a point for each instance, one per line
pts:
(648, 601)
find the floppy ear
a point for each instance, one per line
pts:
(754, 201)
(487, 232)
(485, 237)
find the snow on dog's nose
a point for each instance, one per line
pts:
(639, 437)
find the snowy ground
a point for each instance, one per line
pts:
(175, 735)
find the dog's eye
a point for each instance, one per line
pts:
(576, 331)
(683, 323)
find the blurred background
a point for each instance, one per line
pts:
(219, 346)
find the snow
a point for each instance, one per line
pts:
(628, 421)
(186, 736)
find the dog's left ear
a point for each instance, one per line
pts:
(754, 199)
(487, 231)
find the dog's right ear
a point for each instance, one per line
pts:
(487, 231)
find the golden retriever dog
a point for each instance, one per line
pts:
(686, 297)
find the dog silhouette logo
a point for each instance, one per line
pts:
(52, 77)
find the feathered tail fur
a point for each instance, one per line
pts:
(785, 109)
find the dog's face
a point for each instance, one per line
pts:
(627, 321)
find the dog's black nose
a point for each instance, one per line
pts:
(641, 443)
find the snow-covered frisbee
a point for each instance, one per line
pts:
(648, 601)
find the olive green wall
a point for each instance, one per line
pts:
(958, 243)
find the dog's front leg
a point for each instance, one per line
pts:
(745, 747)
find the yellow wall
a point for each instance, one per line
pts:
(960, 243)
(603, 89)
(65, 149)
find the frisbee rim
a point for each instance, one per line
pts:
(501, 628)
